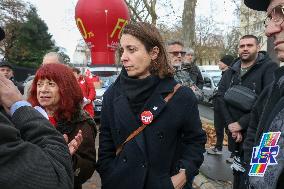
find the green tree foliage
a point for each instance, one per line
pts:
(32, 41)
(27, 38)
(12, 14)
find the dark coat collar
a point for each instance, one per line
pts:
(156, 103)
(261, 58)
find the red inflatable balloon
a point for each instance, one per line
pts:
(100, 23)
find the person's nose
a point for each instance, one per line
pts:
(246, 48)
(44, 88)
(123, 57)
(271, 29)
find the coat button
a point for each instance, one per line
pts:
(143, 165)
(124, 160)
(160, 135)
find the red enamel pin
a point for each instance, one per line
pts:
(146, 117)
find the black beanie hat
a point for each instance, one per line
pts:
(227, 59)
(2, 34)
(260, 5)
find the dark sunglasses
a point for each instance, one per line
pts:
(176, 53)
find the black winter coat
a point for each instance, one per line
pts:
(33, 154)
(266, 109)
(257, 78)
(172, 141)
(84, 159)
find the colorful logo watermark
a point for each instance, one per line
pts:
(264, 154)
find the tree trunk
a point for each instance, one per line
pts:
(188, 22)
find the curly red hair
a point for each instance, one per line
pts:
(70, 92)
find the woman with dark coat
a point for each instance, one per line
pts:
(57, 91)
(169, 151)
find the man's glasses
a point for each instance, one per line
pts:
(276, 15)
(176, 53)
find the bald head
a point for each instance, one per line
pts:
(52, 57)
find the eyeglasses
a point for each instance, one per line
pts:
(176, 53)
(276, 15)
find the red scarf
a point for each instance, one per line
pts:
(52, 120)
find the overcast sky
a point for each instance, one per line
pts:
(59, 17)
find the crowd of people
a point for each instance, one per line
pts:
(150, 133)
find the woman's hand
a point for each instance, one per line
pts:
(179, 180)
(75, 143)
(234, 127)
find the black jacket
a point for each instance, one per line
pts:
(172, 141)
(84, 158)
(257, 78)
(266, 109)
(33, 154)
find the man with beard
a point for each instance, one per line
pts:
(253, 70)
(176, 55)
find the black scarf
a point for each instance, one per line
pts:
(137, 90)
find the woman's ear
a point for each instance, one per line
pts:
(154, 53)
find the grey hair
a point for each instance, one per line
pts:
(175, 43)
(189, 51)
(54, 54)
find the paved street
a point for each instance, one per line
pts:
(206, 111)
(94, 182)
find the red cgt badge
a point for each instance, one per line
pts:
(146, 117)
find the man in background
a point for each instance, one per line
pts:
(219, 122)
(176, 55)
(225, 62)
(6, 70)
(52, 57)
